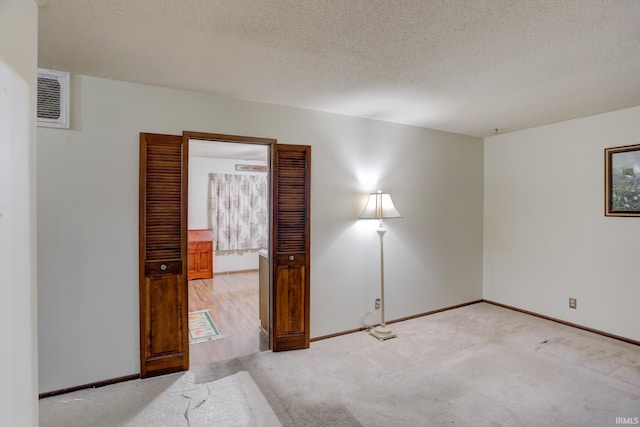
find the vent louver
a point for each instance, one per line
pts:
(53, 98)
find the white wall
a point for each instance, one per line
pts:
(18, 308)
(88, 217)
(199, 170)
(546, 238)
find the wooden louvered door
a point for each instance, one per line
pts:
(291, 242)
(164, 341)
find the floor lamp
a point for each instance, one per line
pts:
(380, 206)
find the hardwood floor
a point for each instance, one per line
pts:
(233, 303)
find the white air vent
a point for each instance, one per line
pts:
(53, 98)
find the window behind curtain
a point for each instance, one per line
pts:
(238, 211)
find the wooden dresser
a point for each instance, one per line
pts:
(200, 254)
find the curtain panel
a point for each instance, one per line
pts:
(238, 211)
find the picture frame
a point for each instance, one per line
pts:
(622, 181)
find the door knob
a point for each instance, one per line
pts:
(163, 267)
(290, 257)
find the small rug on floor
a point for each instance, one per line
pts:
(202, 328)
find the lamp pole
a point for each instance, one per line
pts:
(382, 332)
(380, 206)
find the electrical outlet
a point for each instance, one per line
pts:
(377, 303)
(573, 303)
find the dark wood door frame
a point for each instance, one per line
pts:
(164, 346)
(271, 143)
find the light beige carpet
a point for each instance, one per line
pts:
(478, 365)
(234, 401)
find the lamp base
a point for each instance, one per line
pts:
(382, 333)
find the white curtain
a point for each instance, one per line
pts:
(238, 211)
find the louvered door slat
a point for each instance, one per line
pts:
(164, 344)
(291, 247)
(163, 201)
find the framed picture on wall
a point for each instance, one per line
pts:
(622, 181)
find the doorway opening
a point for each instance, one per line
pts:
(228, 248)
(163, 244)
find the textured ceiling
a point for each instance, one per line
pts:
(460, 66)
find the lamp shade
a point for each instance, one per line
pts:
(380, 206)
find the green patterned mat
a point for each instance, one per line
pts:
(202, 328)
